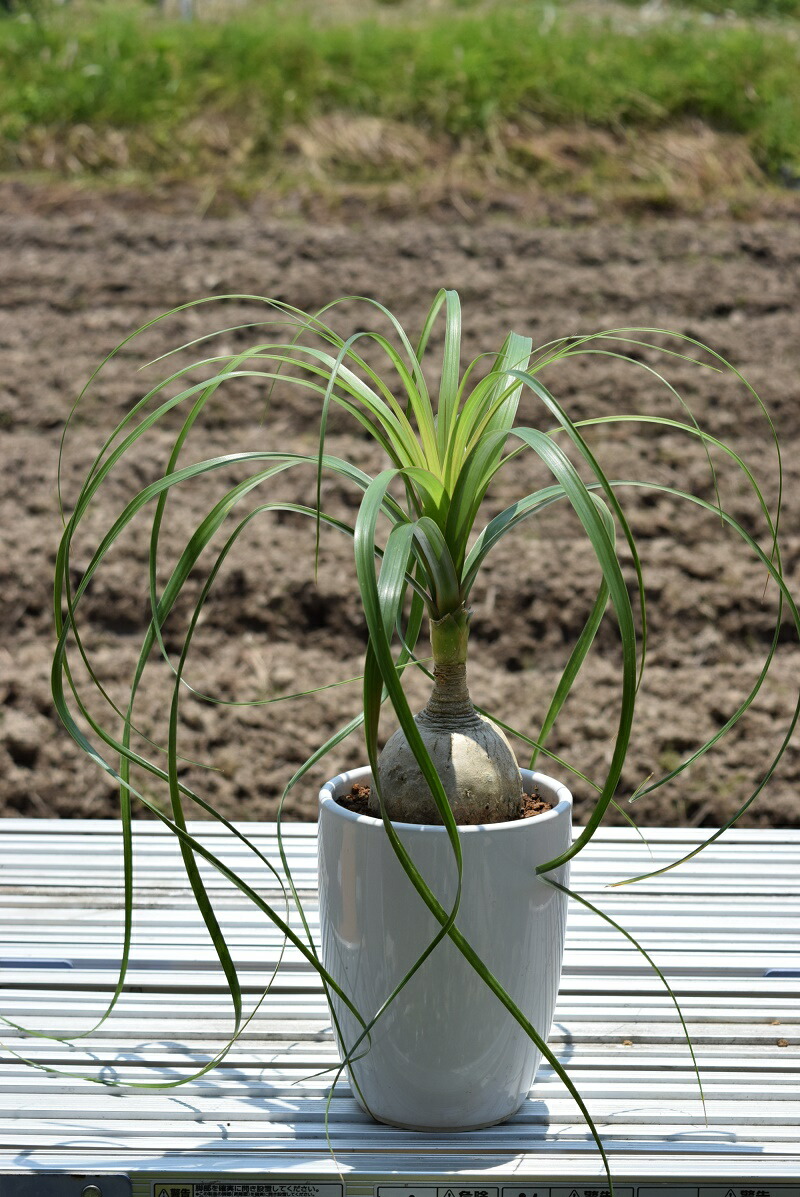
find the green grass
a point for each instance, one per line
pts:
(454, 73)
(740, 8)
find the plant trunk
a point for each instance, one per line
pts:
(472, 757)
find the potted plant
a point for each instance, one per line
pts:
(443, 906)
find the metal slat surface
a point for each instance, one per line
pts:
(724, 928)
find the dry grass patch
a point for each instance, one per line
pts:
(355, 146)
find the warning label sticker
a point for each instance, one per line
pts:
(244, 1188)
(594, 1191)
(433, 1191)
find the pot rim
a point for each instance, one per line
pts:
(327, 801)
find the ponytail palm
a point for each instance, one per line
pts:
(420, 540)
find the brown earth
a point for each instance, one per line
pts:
(78, 277)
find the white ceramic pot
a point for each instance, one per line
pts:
(446, 1055)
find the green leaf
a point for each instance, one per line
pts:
(505, 396)
(593, 522)
(439, 567)
(451, 362)
(579, 652)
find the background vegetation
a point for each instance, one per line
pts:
(651, 101)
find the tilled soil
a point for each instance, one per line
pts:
(76, 282)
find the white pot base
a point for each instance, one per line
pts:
(441, 1130)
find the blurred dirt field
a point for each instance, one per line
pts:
(79, 278)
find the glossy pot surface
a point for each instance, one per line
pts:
(445, 1054)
